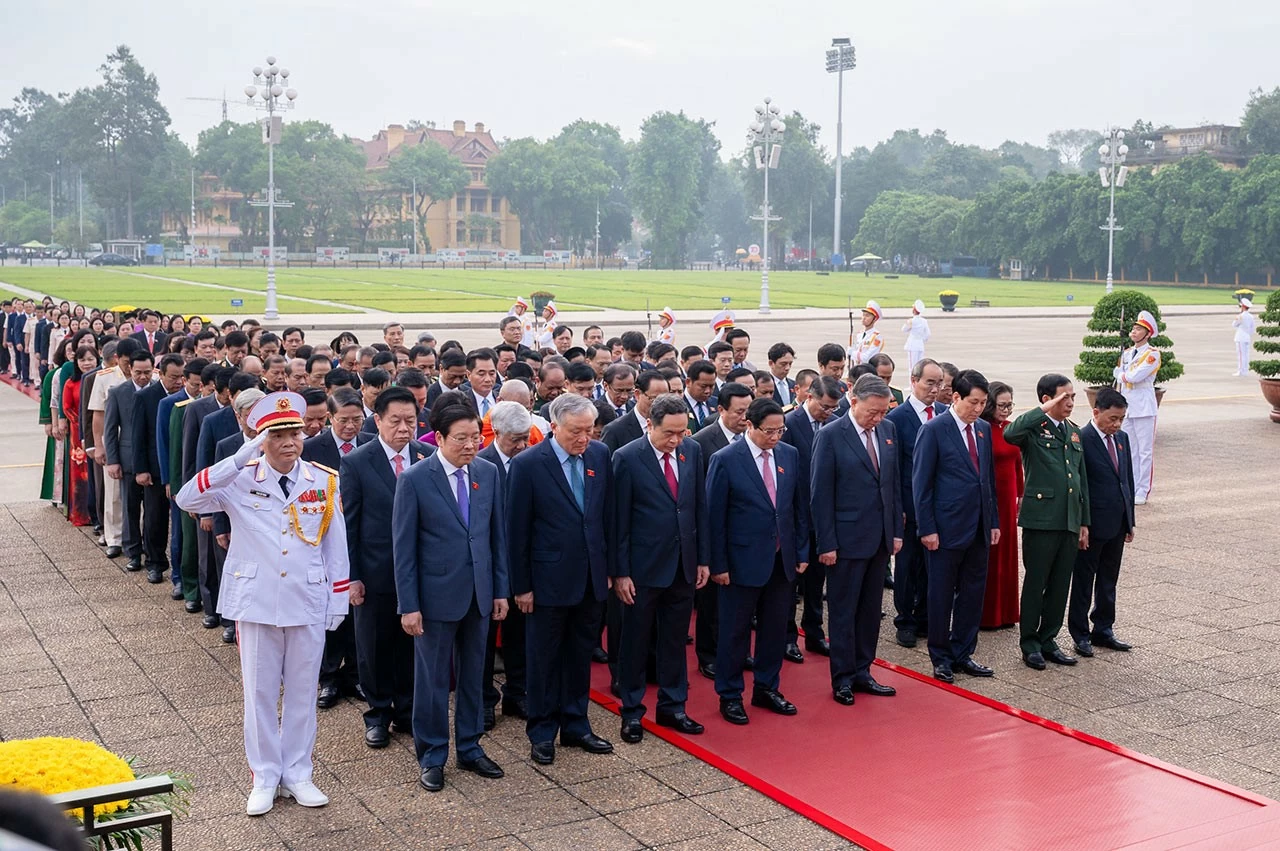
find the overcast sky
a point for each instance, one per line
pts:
(983, 70)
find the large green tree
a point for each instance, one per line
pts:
(803, 180)
(669, 178)
(438, 173)
(1261, 122)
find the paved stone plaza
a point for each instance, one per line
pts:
(87, 650)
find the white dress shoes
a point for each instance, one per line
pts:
(305, 793)
(261, 800)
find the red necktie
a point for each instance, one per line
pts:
(973, 448)
(346, 447)
(928, 413)
(1111, 448)
(671, 476)
(871, 450)
(399, 462)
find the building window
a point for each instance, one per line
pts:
(461, 233)
(495, 205)
(460, 202)
(479, 202)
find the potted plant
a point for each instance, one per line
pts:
(948, 298)
(1112, 319)
(540, 299)
(1269, 370)
(1243, 292)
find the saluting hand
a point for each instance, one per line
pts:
(500, 609)
(411, 623)
(524, 602)
(250, 450)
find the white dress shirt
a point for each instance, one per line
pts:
(730, 436)
(449, 470)
(862, 437)
(339, 441)
(480, 400)
(642, 419)
(391, 454)
(757, 455)
(675, 466)
(920, 408)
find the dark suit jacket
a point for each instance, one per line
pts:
(117, 430)
(442, 564)
(694, 425)
(368, 485)
(791, 386)
(746, 528)
(711, 440)
(557, 551)
(227, 447)
(323, 450)
(855, 512)
(622, 431)
(908, 426)
(800, 434)
(1110, 493)
(952, 499)
(196, 413)
(160, 337)
(146, 403)
(654, 532)
(490, 454)
(221, 423)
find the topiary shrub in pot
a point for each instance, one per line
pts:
(1109, 325)
(1269, 344)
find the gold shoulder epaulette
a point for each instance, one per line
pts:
(320, 466)
(252, 463)
(786, 409)
(183, 402)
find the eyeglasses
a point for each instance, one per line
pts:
(464, 441)
(936, 383)
(773, 432)
(1004, 406)
(829, 408)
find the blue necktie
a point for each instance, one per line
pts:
(575, 480)
(464, 505)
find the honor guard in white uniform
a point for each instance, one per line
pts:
(521, 310)
(721, 324)
(1136, 377)
(667, 327)
(284, 583)
(547, 337)
(917, 331)
(1245, 324)
(868, 343)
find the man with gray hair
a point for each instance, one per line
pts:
(857, 517)
(393, 334)
(511, 424)
(518, 391)
(559, 501)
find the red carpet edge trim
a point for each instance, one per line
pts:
(33, 392)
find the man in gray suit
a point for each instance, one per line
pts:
(118, 435)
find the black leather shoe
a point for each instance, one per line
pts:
(708, 670)
(942, 673)
(154, 576)
(175, 594)
(377, 736)
(818, 645)
(614, 690)
(843, 695)
(211, 621)
(133, 565)
(591, 743)
(734, 712)
(870, 686)
(973, 669)
(327, 697)
(432, 778)
(632, 731)
(1033, 660)
(1110, 641)
(113, 552)
(482, 766)
(543, 753)
(681, 723)
(749, 664)
(193, 607)
(793, 654)
(515, 708)
(1057, 657)
(772, 700)
(490, 719)
(1084, 648)
(599, 656)
(907, 638)
(229, 634)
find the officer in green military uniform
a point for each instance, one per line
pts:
(1054, 516)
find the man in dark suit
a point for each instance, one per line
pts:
(759, 509)
(663, 554)
(700, 395)
(954, 487)
(619, 387)
(725, 426)
(1110, 473)
(339, 667)
(632, 425)
(781, 358)
(384, 651)
(146, 465)
(151, 338)
(450, 546)
(802, 427)
(857, 515)
(206, 546)
(559, 503)
(511, 425)
(453, 374)
(910, 579)
(120, 434)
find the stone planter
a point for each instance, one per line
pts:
(1092, 393)
(1271, 392)
(948, 302)
(540, 301)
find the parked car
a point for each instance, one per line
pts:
(109, 259)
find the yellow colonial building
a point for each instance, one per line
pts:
(1222, 142)
(217, 223)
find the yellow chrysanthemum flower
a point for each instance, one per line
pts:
(51, 765)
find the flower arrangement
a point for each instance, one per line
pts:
(951, 293)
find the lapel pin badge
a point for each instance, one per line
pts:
(591, 474)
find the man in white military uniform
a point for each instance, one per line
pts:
(917, 330)
(868, 343)
(284, 583)
(1245, 324)
(520, 310)
(667, 327)
(546, 340)
(1136, 377)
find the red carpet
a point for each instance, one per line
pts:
(32, 391)
(938, 767)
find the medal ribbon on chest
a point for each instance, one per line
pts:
(324, 520)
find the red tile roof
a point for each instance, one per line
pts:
(471, 148)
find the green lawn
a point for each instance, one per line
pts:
(458, 290)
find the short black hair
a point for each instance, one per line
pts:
(758, 410)
(520, 370)
(1109, 398)
(421, 351)
(222, 380)
(690, 352)
(632, 341)
(780, 350)
(618, 370)
(411, 378)
(967, 381)
(383, 357)
(733, 390)
(574, 352)
(315, 359)
(141, 354)
(830, 353)
(169, 360)
(314, 396)
(449, 359)
(497, 350)
(267, 338)
(205, 335)
(237, 338)
(646, 378)
(292, 329)
(476, 355)
(452, 407)
(377, 377)
(341, 378)
(242, 381)
(304, 351)
(736, 334)
(562, 329)
(860, 369)
(613, 341)
(738, 372)
(593, 350)
(1047, 386)
(950, 369)
(580, 372)
(209, 373)
(879, 360)
(718, 348)
(394, 394)
(824, 387)
(699, 368)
